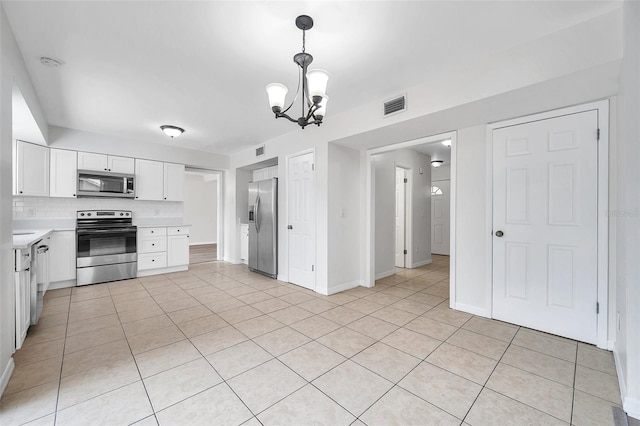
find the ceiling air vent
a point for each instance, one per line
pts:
(260, 151)
(395, 105)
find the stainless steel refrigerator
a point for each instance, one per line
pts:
(263, 227)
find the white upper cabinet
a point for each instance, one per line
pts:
(32, 169)
(149, 180)
(63, 171)
(173, 182)
(105, 163)
(92, 161)
(124, 165)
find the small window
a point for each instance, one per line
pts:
(436, 191)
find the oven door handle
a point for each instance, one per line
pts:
(104, 231)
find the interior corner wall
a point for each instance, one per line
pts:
(627, 217)
(7, 298)
(344, 219)
(201, 209)
(471, 254)
(385, 182)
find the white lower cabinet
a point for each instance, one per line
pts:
(244, 242)
(163, 249)
(62, 257)
(22, 282)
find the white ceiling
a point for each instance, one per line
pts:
(133, 66)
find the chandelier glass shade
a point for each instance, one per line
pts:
(312, 84)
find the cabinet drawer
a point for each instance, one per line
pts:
(152, 244)
(152, 261)
(152, 232)
(178, 230)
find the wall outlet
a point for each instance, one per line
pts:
(618, 320)
(31, 212)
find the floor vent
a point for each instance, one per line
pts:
(395, 105)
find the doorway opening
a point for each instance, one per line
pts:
(203, 211)
(384, 217)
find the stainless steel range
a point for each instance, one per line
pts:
(106, 244)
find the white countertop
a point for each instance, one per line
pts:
(155, 222)
(31, 236)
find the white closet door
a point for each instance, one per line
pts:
(302, 221)
(545, 225)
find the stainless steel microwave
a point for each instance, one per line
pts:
(93, 183)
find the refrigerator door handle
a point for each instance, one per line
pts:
(258, 214)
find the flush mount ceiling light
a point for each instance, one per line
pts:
(173, 131)
(313, 84)
(447, 142)
(436, 163)
(51, 62)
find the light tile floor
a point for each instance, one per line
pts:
(221, 345)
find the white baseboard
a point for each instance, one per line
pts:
(233, 261)
(203, 244)
(62, 284)
(283, 277)
(472, 310)
(626, 401)
(343, 287)
(6, 375)
(385, 274)
(148, 272)
(421, 263)
(610, 345)
(632, 407)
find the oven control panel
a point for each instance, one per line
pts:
(103, 214)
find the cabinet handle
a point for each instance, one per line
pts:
(165, 198)
(28, 269)
(21, 192)
(74, 195)
(105, 170)
(152, 245)
(153, 260)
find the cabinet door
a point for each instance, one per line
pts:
(23, 305)
(173, 182)
(63, 173)
(177, 250)
(121, 165)
(149, 180)
(33, 169)
(92, 161)
(62, 256)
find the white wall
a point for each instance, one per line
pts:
(440, 173)
(344, 219)
(626, 214)
(201, 209)
(472, 286)
(7, 300)
(418, 218)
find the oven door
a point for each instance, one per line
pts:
(106, 246)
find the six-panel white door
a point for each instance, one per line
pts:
(440, 219)
(301, 214)
(400, 233)
(545, 225)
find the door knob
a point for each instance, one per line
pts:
(499, 234)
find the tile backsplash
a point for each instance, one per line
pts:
(38, 208)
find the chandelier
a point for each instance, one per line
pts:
(313, 84)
